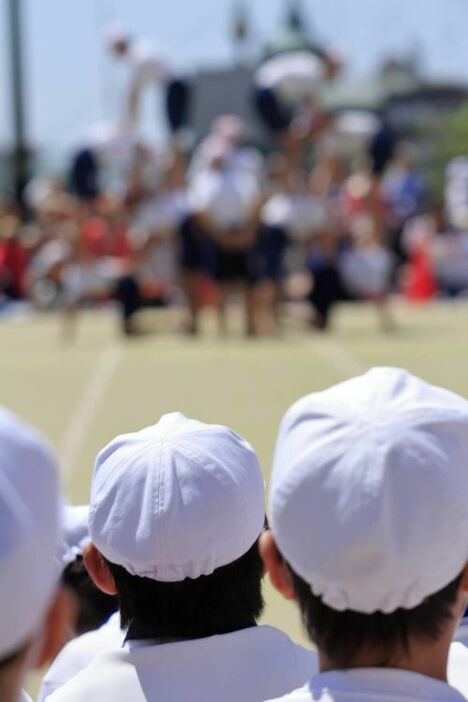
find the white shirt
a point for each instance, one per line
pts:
(367, 271)
(147, 64)
(461, 634)
(293, 76)
(249, 665)
(162, 212)
(227, 197)
(302, 214)
(458, 666)
(79, 653)
(373, 685)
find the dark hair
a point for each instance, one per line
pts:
(340, 635)
(94, 606)
(10, 658)
(228, 600)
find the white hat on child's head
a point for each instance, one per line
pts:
(176, 500)
(369, 497)
(29, 503)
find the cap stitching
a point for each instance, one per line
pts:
(160, 494)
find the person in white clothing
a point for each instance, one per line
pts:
(287, 97)
(148, 69)
(369, 516)
(226, 203)
(33, 609)
(79, 653)
(176, 514)
(97, 626)
(93, 607)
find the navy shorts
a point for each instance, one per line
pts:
(268, 255)
(197, 250)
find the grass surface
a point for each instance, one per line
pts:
(84, 393)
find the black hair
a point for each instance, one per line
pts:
(228, 600)
(94, 606)
(340, 635)
(10, 658)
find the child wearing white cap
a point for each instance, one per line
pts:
(369, 509)
(176, 513)
(33, 613)
(97, 623)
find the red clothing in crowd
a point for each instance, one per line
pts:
(100, 240)
(13, 265)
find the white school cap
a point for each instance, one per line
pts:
(369, 497)
(176, 500)
(28, 531)
(74, 532)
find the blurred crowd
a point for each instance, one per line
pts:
(336, 209)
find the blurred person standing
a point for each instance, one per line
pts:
(149, 69)
(225, 202)
(155, 222)
(366, 263)
(405, 193)
(287, 97)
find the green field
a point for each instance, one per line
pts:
(82, 394)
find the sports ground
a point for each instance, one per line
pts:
(81, 394)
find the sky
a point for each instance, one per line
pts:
(71, 84)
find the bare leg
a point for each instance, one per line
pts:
(248, 296)
(69, 323)
(383, 309)
(190, 286)
(221, 308)
(265, 296)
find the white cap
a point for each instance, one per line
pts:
(75, 532)
(28, 531)
(176, 500)
(369, 498)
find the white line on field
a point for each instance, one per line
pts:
(83, 415)
(337, 356)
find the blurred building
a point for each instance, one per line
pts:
(398, 90)
(401, 93)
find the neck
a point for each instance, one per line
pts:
(425, 659)
(136, 633)
(11, 679)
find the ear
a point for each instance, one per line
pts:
(58, 626)
(98, 570)
(275, 565)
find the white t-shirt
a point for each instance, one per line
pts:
(162, 212)
(303, 215)
(293, 76)
(461, 634)
(79, 653)
(373, 685)
(148, 66)
(458, 664)
(367, 272)
(249, 665)
(228, 198)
